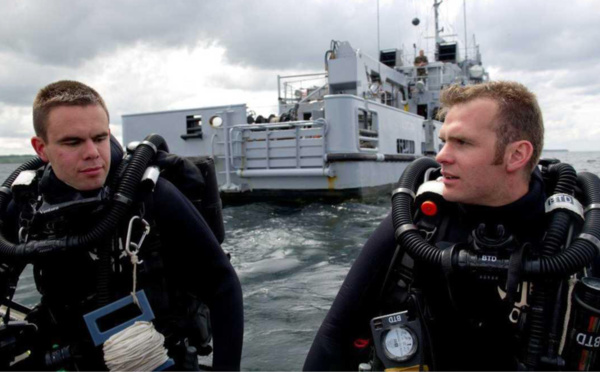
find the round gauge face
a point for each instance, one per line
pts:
(400, 344)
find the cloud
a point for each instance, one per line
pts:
(20, 78)
(537, 35)
(284, 34)
(263, 33)
(155, 55)
(18, 121)
(67, 33)
(148, 78)
(16, 129)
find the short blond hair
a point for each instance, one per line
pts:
(62, 93)
(519, 116)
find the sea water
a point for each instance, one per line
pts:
(291, 260)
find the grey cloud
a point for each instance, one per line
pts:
(18, 94)
(280, 35)
(591, 90)
(16, 123)
(20, 79)
(538, 35)
(259, 82)
(265, 33)
(65, 32)
(531, 35)
(579, 80)
(548, 45)
(50, 40)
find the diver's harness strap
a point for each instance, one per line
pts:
(513, 276)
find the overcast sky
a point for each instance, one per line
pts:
(159, 55)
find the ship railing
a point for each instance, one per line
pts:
(295, 88)
(279, 149)
(412, 77)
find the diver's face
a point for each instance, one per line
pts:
(77, 145)
(469, 172)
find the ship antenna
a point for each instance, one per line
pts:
(436, 5)
(378, 46)
(465, 17)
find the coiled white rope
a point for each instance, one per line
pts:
(136, 348)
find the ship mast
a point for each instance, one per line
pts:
(465, 19)
(438, 38)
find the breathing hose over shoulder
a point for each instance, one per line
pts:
(406, 233)
(578, 255)
(123, 199)
(585, 246)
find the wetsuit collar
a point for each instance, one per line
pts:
(523, 217)
(55, 191)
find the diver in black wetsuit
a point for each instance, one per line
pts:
(493, 136)
(183, 266)
(462, 346)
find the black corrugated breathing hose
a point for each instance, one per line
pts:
(122, 200)
(552, 261)
(582, 251)
(407, 235)
(578, 255)
(545, 287)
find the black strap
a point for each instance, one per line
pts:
(513, 278)
(398, 254)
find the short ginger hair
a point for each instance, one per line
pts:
(519, 116)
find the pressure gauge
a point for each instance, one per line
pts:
(400, 343)
(397, 337)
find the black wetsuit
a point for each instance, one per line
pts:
(192, 261)
(475, 335)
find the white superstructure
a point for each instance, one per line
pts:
(352, 135)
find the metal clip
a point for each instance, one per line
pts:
(136, 246)
(133, 252)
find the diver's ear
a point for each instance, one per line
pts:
(40, 147)
(517, 155)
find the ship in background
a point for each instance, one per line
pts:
(351, 136)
